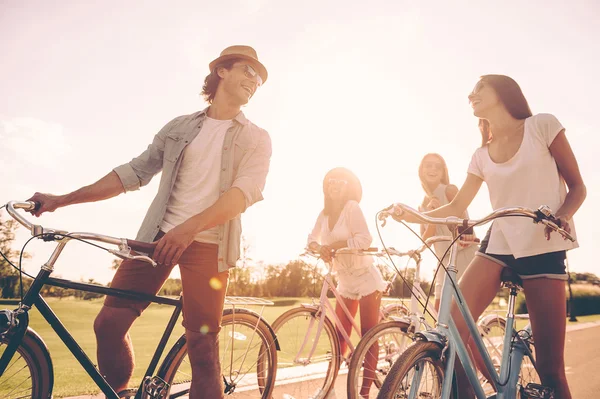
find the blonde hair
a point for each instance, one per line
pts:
(445, 177)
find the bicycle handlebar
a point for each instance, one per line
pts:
(373, 251)
(542, 215)
(50, 234)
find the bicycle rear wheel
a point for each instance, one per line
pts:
(418, 373)
(246, 345)
(395, 310)
(300, 376)
(492, 329)
(371, 364)
(528, 373)
(29, 373)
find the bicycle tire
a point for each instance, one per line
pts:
(298, 381)
(528, 373)
(31, 362)
(237, 367)
(493, 328)
(414, 356)
(390, 348)
(394, 309)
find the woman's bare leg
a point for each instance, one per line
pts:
(479, 285)
(369, 317)
(546, 303)
(352, 305)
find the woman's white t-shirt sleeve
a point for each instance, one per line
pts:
(548, 127)
(475, 165)
(357, 224)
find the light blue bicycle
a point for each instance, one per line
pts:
(419, 372)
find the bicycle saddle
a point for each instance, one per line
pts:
(510, 278)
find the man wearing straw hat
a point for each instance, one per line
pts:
(214, 165)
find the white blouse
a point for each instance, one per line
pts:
(529, 179)
(351, 227)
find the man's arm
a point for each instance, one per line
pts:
(172, 245)
(107, 187)
(130, 176)
(246, 190)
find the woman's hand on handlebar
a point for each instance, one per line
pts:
(324, 251)
(467, 240)
(561, 221)
(397, 212)
(45, 203)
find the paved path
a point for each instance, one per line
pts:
(582, 358)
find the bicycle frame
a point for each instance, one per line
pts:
(323, 306)
(446, 334)
(33, 298)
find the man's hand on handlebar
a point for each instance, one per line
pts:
(172, 245)
(45, 203)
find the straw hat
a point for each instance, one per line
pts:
(241, 52)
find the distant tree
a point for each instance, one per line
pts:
(171, 287)
(9, 276)
(115, 264)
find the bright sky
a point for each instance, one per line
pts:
(371, 86)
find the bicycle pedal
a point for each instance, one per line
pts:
(127, 393)
(536, 391)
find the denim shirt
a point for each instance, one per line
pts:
(245, 163)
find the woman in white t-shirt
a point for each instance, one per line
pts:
(435, 181)
(341, 224)
(525, 160)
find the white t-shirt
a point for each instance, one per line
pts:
(529, 179)
(351, 227)
(197, 185)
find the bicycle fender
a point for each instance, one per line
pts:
(253, 313)
(40, 342)
(431, 336)
(491, 317)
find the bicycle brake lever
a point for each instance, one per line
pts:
(125, 254)
(144, 259)
(556, 227)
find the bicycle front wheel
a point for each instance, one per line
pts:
(300, 374)
(29, 373)
(418, 373)
(246, 345)
(374, 356)
(528, 373)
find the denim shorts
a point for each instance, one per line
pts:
(548, 265)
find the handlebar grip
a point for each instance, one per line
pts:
(140, 246)
(36, 206)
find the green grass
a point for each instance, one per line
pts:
(78, 317)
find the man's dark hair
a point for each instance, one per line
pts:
(211, 81)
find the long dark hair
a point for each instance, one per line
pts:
(512, 98)
(211, 81)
